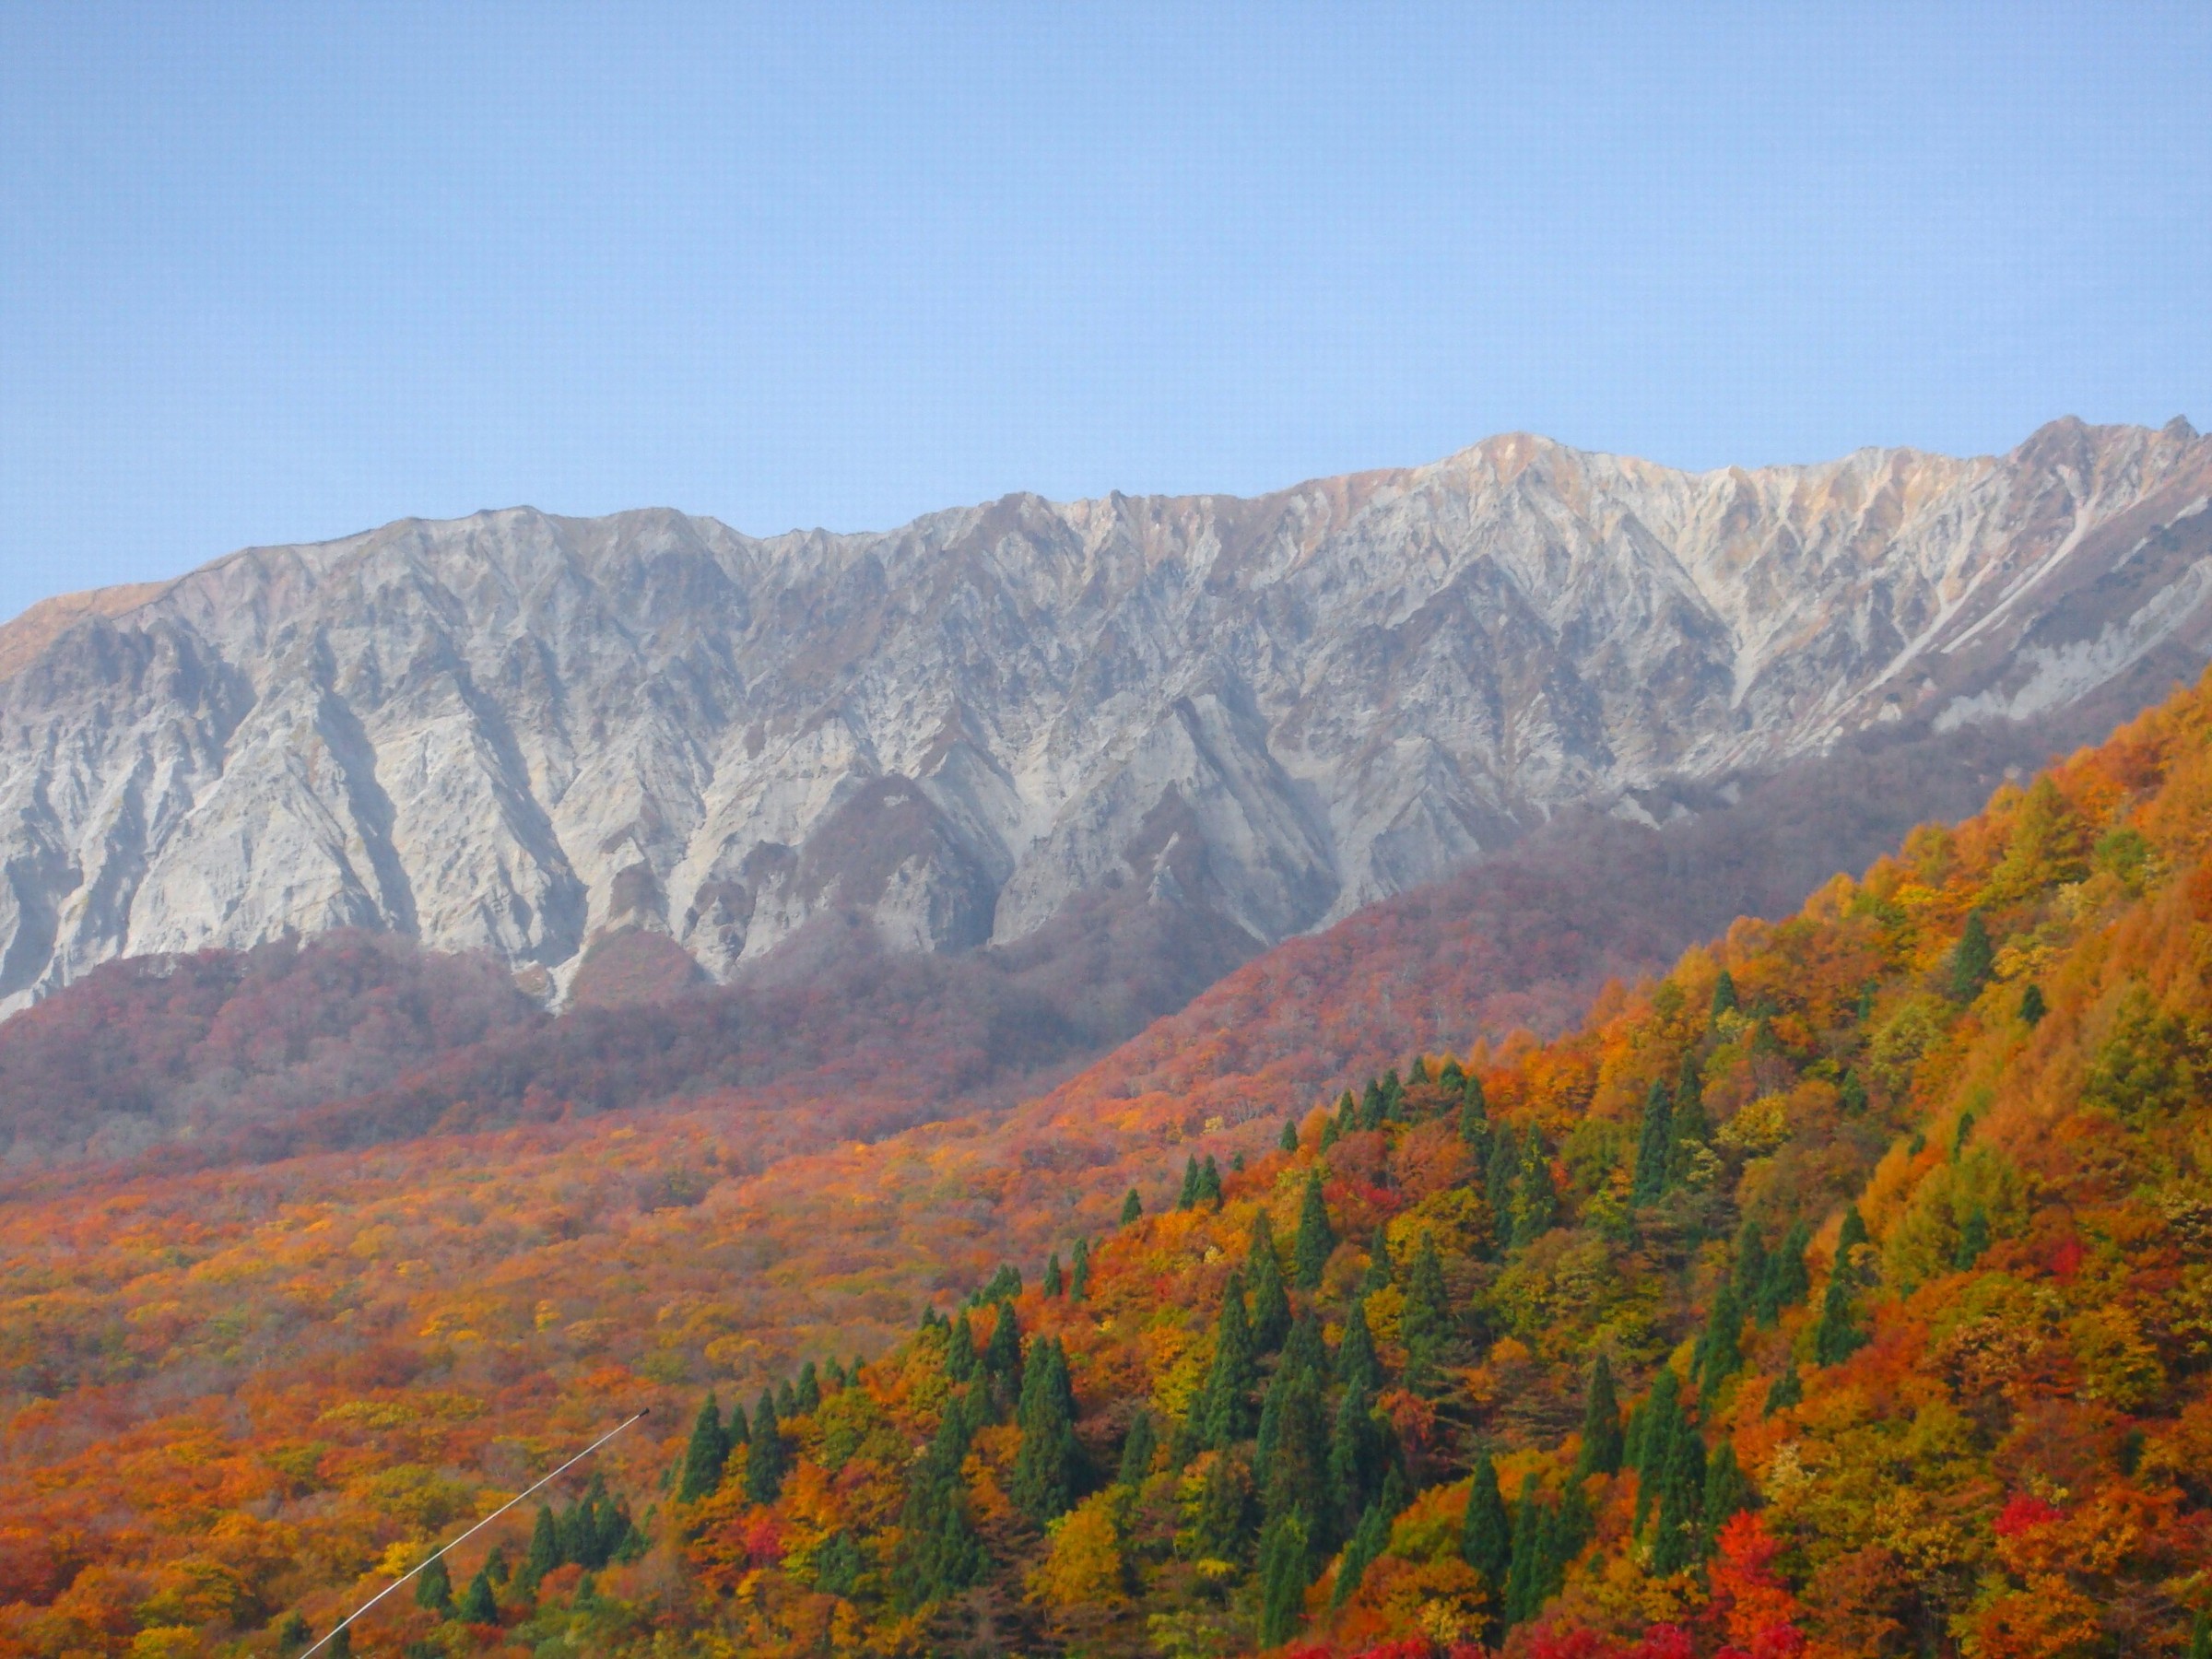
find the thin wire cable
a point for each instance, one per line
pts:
(331, 1634)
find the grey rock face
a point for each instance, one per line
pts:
(512, 731)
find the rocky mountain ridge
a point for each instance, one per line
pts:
(521, 732)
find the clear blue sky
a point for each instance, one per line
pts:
(280, 272)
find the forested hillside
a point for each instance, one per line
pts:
(1845, 1291)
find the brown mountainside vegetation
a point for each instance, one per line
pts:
(1836, 1292)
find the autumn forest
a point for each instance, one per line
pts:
(1844, 1289)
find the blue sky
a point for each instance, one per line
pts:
(280, 272)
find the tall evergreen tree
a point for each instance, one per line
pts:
(1973, 960)
(2032, 1006)
(1293, 1446)
(1524, 1581)
(1287, 1141)
(1378, 1276)
(787, 1399)
(765, 1464)
(1209, 1183)
(1601, 1424)
(1425, 1322)
(1681, 1502)
(1498, 1178)
(1222, 1526)
(1486, 1538)
(1001, 1360)
(544, 1547)
(1535, 1201)
(1724, 995)
(807, 1396)
(1270, 1300)
(1357, 1367)
(1368, 1539)
(1056, 1282)
(1691, 1130)
(708, 1449)
(1285, 1570)
(1188, 1198)
(1750, 1264)
(959, 1348)
(1048, 1466)
(434, 1587)
(1659, 1424)
(1138, 1448)
(1837, 1336)
(1473, 1116)
(1316, 1239)
(479, 1605)
(1783, 1281)
(1720, 1353)
(1726, 1493)
(1222, 1413)
(939, 1554)
(1652, 1144)
(1786, 1390)
(1371, 1105)
(1132, 1207)
(1078, 1284)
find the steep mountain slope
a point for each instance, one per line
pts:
(515, 732)
(240, 1392)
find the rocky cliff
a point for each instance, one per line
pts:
(517, 733)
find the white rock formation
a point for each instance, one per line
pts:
(511, 731)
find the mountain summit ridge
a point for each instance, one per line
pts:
(518, 732)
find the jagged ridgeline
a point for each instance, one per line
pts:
(1846, 1291)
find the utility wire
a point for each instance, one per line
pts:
(331, 1633)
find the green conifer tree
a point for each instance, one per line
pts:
(1656, 1429)
(1001, 1361)
(1316, 1239)
(1378, 1276)
(1222, 1413)
(1723, 993)
(1270, 1298)
(545, 1545)
(1357, 1367)
(1371, 1105)
(1652, 1144)
(1288, 1140)
(1132, 1207)
(1048, 1466)
(1497, 1178)
(1601, 1451)
(1727, 1491)
(787, 1399)
(1425, 1322)
(1838, 1335)
(708, 1450)
(1056, 1282)
(1188, 1198)
(1330, 1134)
(807, 1396)
(1209, 1183)
(960, 1349)
(1750, 1264)
(764, 1465)
(1474, 1117)
(1720, 1351)
(1078, 1284)
(1368, 1541)
(1681, 1501)
(479, 1605)
(2032, 1006)
(1973, 1239)
(1786, 1390)
(1524, 1579)
(1536, 1203)
(434, 1587)
(939, 1554)
(1783, 1281)
(1285, 1571)
(1485, 1539)
(1973, 960)
(1138, 1448)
